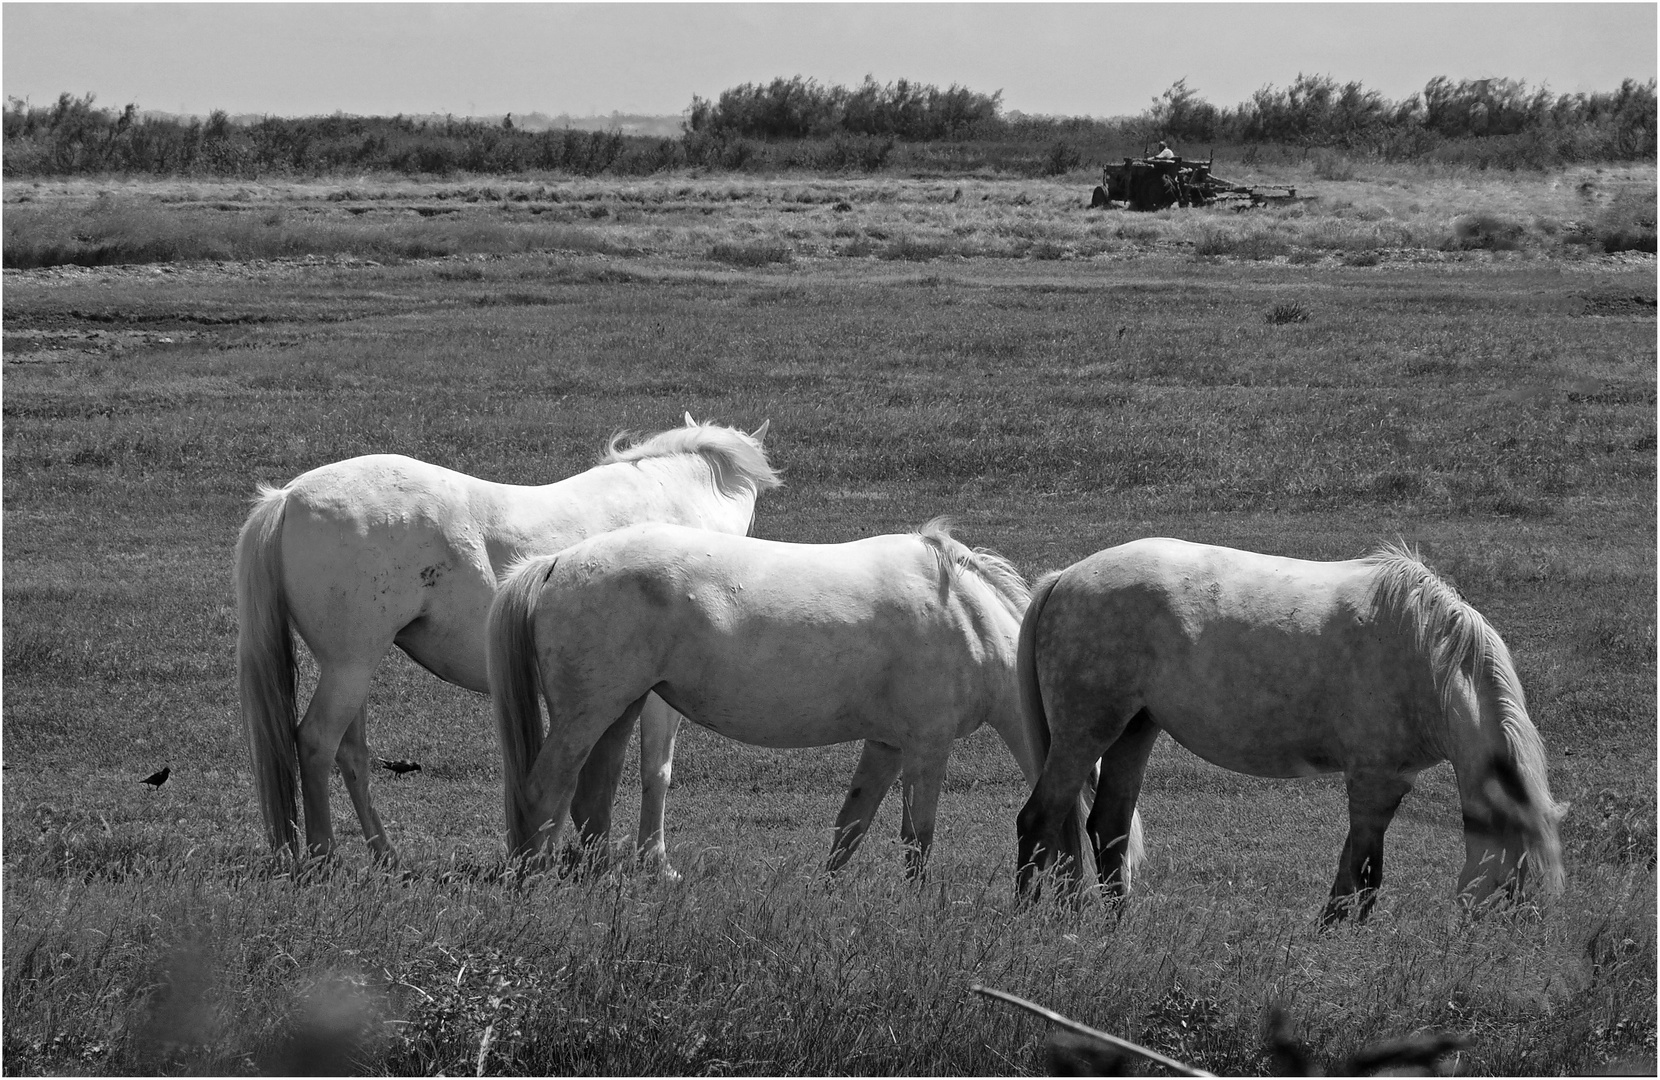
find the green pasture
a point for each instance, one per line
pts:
(1496, 412)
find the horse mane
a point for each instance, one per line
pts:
(737, 460)
(1455, 638)
(1008, 583)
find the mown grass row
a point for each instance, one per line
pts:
(740, 224)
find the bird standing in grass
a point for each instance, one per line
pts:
(400, 767)
(156, 779)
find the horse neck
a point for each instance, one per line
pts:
(1487, 720)
(1473, 719)
(693, 484)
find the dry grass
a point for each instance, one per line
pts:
(1402, 212)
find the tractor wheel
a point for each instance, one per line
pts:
(1172, 192)
(1098, 198)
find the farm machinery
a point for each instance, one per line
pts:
(1153, 183)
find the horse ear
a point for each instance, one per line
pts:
(689, 421)
(761, 432)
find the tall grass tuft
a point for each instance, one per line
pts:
(763, 253)
(1282, 314)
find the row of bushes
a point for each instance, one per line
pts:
(1314, 111)
(798, 108)
(797, 123)
(72, 137)
(1317, 111)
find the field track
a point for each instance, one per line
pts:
(1494, 408)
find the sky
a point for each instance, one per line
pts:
(1103, 60)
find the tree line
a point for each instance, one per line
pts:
(1318, 111)
(800, 123)
(74, 137)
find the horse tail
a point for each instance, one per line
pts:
(1075, 830)
(265, 665)
(515, 687)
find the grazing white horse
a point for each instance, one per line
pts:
(377, 551)
(906, 642)
(1374, 668)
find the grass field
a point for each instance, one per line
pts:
(1494, 407)
(1387, 212)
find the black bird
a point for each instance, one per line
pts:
(400, 767)
(156, 779)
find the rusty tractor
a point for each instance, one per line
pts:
(1152, 183)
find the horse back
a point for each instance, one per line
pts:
(736, 629)
(1261, 664)
(676, 490)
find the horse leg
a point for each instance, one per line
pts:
(1116, 793)
(551, 785)
(596, 788)
(878, 765)
(1373, 799)
(337, 701)
(353, 761)
(921, 792)
(1047, 823)
(659, 724)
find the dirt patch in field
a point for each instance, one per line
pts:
(1618, 304)
(55, 346)
(256, 269)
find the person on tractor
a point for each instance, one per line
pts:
(1165, 153)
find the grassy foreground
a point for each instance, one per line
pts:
(1499, 412)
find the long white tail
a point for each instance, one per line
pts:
(1037, 734)
(265, 665)
(515, 689)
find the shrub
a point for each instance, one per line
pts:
(1484, 231)
(1062, 158)
(1628, 222)
(1291, 312)
(1333, 166)
(912, 249)
(757, 254)
(1256, 244)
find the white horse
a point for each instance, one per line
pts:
(1277, 667)
(385, 550)
(906, 642)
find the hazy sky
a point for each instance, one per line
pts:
(1072, 59)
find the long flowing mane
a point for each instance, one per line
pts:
(1456, 639)
(1007, 582)
(739, 463)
